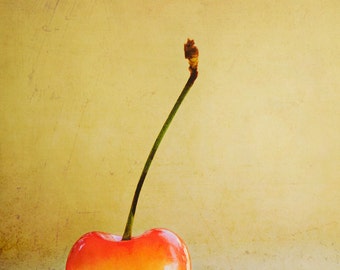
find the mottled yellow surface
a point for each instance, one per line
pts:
(248, 173)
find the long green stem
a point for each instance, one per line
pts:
(128, 228)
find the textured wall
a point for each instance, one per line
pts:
(248, 173)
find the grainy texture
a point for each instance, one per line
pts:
(248, 173)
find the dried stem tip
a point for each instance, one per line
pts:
(191, 53)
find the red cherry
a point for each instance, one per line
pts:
(155, 249)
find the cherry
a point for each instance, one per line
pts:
(156, 248)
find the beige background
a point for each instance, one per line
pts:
(248, 173)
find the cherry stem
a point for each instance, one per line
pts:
(128, 228)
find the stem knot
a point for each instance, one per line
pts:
(191, 53)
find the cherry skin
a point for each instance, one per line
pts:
(153, 250)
